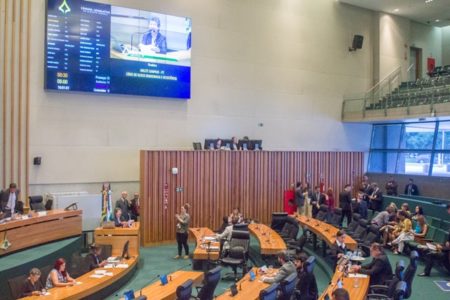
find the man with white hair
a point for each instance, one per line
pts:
(124, 205)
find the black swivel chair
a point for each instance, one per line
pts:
(49, 204)
(184, 291)
(79, 265)
(287, 287)
(372, 236)
(297, 246)
(44, 274)
(269, 293)
(15, 286)
(237, 254)
(389, 291)
(353, 224)
(278, 220)
(360, 231)
(410, 272)
(322, 215)
(336, 217)
(241, 227)
(36, 203)
(211, 280)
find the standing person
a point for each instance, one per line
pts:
(234, 143)
(317, 199)
(32, 285)
(376, 198)
(391, 186)
(134, 207)
(182, 231)
(124, 205)
(365, 187)
(330, 199)
(411, 189)
(307, 196)
(299, 199)
(10, 199)
(345, 203)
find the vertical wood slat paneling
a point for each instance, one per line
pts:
(214, 182)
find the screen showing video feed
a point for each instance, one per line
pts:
(95, 47)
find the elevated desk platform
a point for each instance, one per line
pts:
(157, 291)
(117, 237)
(270, 241)
(30, 232)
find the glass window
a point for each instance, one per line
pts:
(441, 164)
(414, 163)
(386, 136)
(418, 136)
(382, 161)
(443, 136)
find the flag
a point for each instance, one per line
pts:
(107, 213)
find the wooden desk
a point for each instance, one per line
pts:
(55, 225)
(89, 285)
(270, 241)
(326, 231)
(200, 252)
(348, 283)
(117, 237)
(168, 291)
(247, 290)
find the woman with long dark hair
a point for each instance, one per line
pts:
(59, 276)
(183, 231)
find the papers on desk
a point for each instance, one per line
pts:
(209, 238)
(108, 266)
(97, 276)
(357, 275)
(100, 272)
(78, 283)
(122, 266)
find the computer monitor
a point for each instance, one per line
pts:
(226, 143)
(197, 145)
(125, 253)
(256, 145)
(209, 143)
(244, 144)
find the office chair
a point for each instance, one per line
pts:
(388, 291)
(372, 236)
(36, 203)
(269, 293)
(44, 274)
(322, 215)
(241, 227)
(297, 246)
(237, 254)
(49, 204)
(78, 265)
(211, 280)
(335, 218)
(353, 224)
(15, 286)
(184, 290)
(197, 145)
(410, 272)
(287, 286)
(278, 220)
(361, 230)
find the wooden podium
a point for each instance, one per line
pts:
(117, 237)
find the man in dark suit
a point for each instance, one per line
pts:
(345, 203)
(376, 198)
(411, 188)
(306, 283)
(299, 198)
(153, 39)
(379, 269)
(317, 199)
(360, 206)
(124, 205)
(338, 249)
(9, 200)
(95, 258)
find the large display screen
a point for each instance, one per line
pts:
(95, 47)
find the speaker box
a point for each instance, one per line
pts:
(37, 161)
(357, 41)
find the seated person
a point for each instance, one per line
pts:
(119, 220)
(392, 230)
(153, 40)
(287, 268)
(405, 234)
(382, 219)
(59, 276)
(421, 229)
(95, 257)
(418, 212)
(441, 255)
(379, 269)
(306, 286)
(361, 206)
(32, 285)
(226, 234)
(405, 208)
(236, 214)
(234, 143)
(338, 249)
(340, 294)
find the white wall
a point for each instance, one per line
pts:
(281, 63)
(397, 35)
(446, 45)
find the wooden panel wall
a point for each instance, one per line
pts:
(214, 182)
(15, 20)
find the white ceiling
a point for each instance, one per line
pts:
(416, 10)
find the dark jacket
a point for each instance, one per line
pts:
(361, 208)
(4, 197)
(93, 261)
(345, 200)
(306, 285)
(124, 205)
(335, 250)
(28, 288)
(414, 189)
(379, 270)
(299, 198)
(316, 201)
(160, 41)
(377, 200)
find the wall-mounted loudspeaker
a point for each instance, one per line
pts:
(37, 161)
(357, 42)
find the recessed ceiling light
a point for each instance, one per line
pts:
(437, 20)
(428, 1)
(396, 10)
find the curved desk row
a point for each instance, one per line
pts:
(270, 242)
(39, 229)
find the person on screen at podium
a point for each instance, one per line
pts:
(58, 276)
(95, 257)
(338, 249)
(9, 200)
(153, 40)
(119, 220)
(124, 205)
(182, 231)
(287, 268)
(379, 269)
(32, 286)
